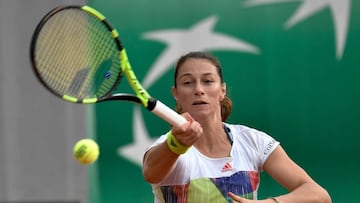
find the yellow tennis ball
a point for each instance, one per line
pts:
(86, 151)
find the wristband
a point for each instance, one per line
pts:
(273, 198)
(174, 145)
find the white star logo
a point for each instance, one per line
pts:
(340, 10)
(135, 150)
(199, 37)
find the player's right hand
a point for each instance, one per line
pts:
(188, 133)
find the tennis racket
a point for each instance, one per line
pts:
(78, 56)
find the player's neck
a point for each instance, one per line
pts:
(214, 141)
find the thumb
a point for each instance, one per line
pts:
(236, 199)
(188, 117)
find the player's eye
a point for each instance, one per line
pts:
(187, 82)
(208, 81)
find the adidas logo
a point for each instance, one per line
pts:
(227, 167)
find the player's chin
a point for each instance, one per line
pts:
(200, 108)
(200, 111)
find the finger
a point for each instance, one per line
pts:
(235, 197)
(188, 117)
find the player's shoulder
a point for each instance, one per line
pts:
(239, 128)
(240, 131)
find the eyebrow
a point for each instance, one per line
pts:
(189, 74)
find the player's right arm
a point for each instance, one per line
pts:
(159, 160)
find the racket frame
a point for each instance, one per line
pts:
(141, 95)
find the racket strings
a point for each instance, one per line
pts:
(110, 56)
(77, 56)
(58, 52)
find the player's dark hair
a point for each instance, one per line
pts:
(226, 103)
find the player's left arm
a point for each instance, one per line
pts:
(302, 188)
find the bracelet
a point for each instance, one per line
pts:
(174, 145)
(273, 198)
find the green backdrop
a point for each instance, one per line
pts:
(291, 68)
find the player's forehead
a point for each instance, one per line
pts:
(199, 67)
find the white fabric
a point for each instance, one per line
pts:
(249, 152)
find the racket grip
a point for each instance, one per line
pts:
(167, 114)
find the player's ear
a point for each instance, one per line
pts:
(174, 92)
(223, 90)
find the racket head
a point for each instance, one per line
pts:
(75, 53)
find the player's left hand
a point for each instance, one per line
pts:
(237, 199)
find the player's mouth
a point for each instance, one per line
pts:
(198, 103)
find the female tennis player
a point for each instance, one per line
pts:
(207, 160)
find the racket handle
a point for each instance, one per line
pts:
(167, 113)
